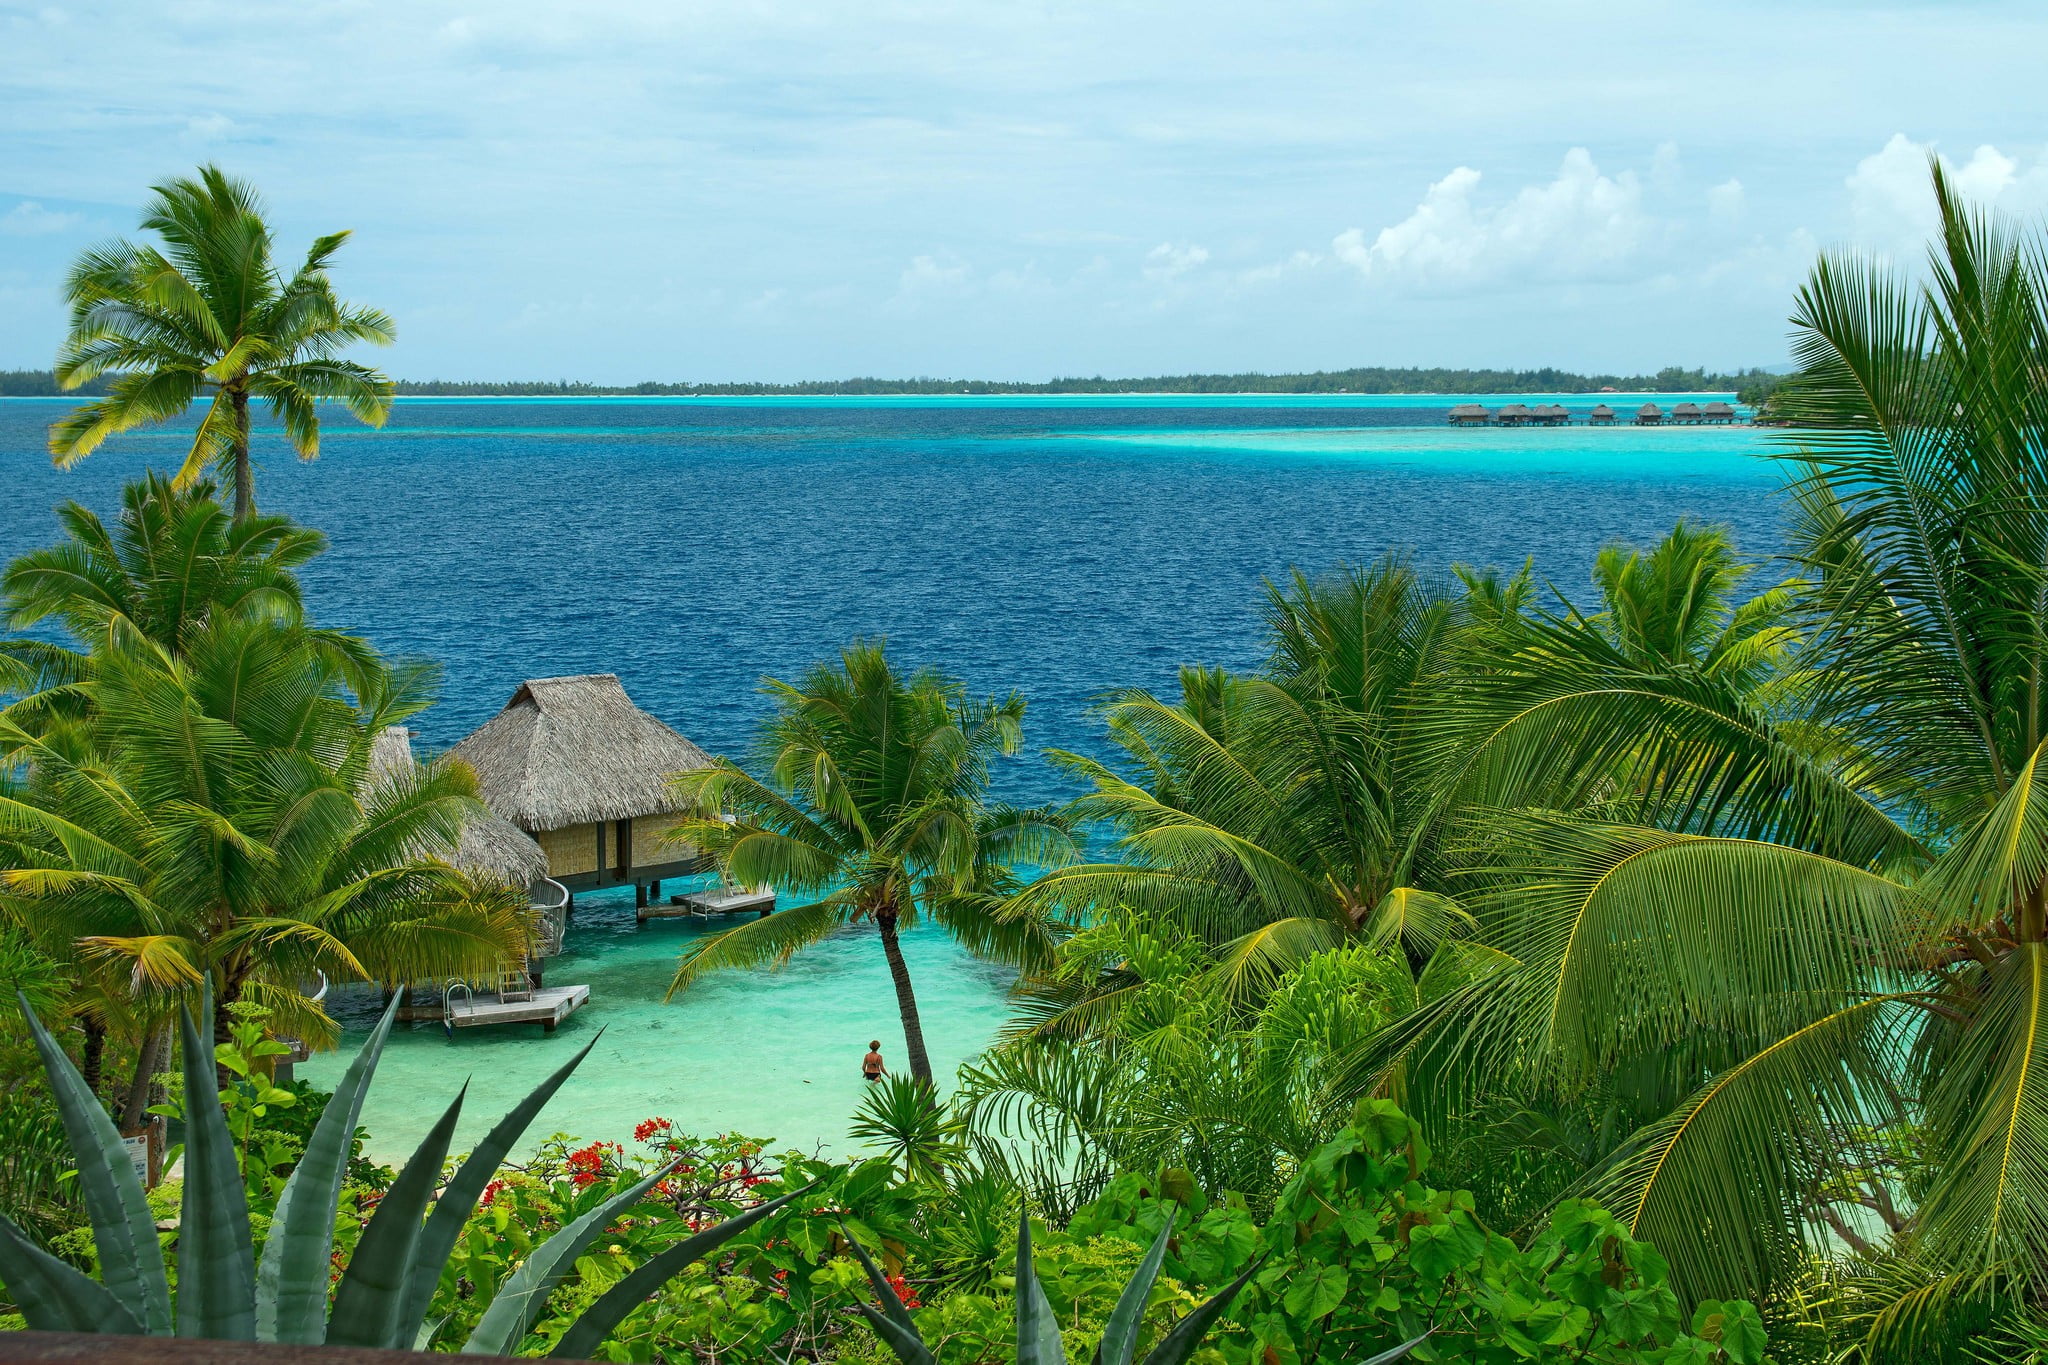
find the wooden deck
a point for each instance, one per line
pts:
(734, 901)
(549, 1006)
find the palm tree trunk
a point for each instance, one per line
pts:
(92, 1058)
(154, 1048)
(245, 492)
(906, 1000)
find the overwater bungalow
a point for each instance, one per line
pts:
(576, 765)
(1649, 415)
(1717, 411)
(1549, 415)
(1469, 415)
(1514, 414)
(1688, 413)
(1601, 415)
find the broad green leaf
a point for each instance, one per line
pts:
(1120, 1332)
(123, 1231)
(216, 1262)
(590, 1329)
(519, 1298)
(292, 1274)
(458, 1200)
(369, 1303)
(53, 1296)
(892, 1322)
(1315, 1291)
(1186, 1335)
(1038, 1331)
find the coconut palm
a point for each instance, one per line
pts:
(210, 812)
(1815, 989)
(875, 801)
(206, 313)
(170, 560)
(1279, 814)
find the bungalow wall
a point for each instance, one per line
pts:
(589, 853)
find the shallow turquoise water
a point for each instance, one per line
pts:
(1059, 546)
(771, 1054)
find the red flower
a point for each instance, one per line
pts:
(903, 1291)
(647, 1128)
(491, 1191)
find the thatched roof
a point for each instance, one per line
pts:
(1469, 410)
(1515, 410)
(1649, 410)
(1686, 410)
(1718, 408)
(1602, 410)
(572, 751)
(488, 845)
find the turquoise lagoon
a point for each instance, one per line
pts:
(1059, 546)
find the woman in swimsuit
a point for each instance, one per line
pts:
(871, 1065)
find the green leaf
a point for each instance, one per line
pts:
(1180, 1343)
(369, 1302)
(1316, 1291)
(892, 1323)
(292, 1276)
(1120, 1333)
(458, 1200)
(1038, 1331)
(53, 1296)
(123, 1230)
(216, 1261)
(1397, 1353)
(590, 1329)
(520, 1297)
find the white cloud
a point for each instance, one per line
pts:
(1581, 224)
(1725, 201)
(1892, 202)
(1170, 261)
(208, 128)
(31, 219)
(930, 275)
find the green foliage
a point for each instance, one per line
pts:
(224, 1289)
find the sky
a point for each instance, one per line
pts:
(783, 190)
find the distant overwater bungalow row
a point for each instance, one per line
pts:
(1715, 412)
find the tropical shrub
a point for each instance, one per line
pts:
(226, 1288)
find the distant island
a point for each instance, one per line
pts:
(1752, 386)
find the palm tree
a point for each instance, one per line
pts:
(212, 812)
(208, 312)
(1280, 814)
(170, 561)
(1816, 990)
(875, 800)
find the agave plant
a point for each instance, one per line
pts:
(1038, 1329)
(226, 1291)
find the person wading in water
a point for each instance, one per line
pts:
(871, 1065)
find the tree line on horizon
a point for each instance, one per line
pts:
(1751, 386)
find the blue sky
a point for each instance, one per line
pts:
(624, 191)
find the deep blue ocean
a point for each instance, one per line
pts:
(1058, 547)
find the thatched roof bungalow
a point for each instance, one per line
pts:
(1514, 414)
(1469, 415)
(1601, 415)
(1686, 412)
(574, 763)
(1550, 415)
(1717, 411)
(1649, 415)
(489, 846)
